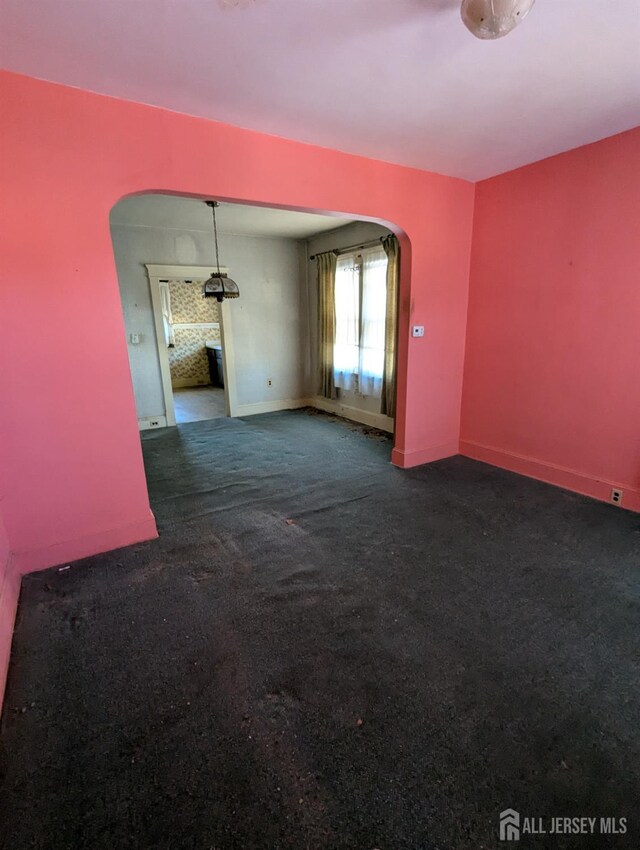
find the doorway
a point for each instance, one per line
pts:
(195, 345)
(163, 250)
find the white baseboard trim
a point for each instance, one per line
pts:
(270, 406)
(148, 422)
(364, 417)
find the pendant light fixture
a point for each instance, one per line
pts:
(219, 286)
(493, 18)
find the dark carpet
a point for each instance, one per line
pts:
(323, 651)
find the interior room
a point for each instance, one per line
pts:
(319, 453)
(193, 358)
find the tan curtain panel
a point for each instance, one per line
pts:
(326, 321)
(388, 399)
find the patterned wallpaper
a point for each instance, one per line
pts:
(188, 305)
(188, 359)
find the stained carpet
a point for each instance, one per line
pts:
(324, 651)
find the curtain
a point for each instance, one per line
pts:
(346, 349)
(167, 317)
(326, 264)
(372, 336)
(388, 400)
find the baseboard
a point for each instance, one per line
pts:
(374, 420)
(9, 593)
(416, 457)
(559, 476)
(32, 560)
(148, 422)
(269, 406)
(364, 417)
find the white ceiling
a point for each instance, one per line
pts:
(399, 80)
(168, 211)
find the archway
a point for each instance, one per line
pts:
(147, 227)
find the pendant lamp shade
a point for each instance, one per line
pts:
(219, 286)
(488, 19)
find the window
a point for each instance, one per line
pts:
(360, 309)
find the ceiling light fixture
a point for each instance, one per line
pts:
(219, 286)
(493, 18)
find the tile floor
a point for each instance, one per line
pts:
(193, 404)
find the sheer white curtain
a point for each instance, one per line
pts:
(360, 302)
(167, 317)
(374, 309)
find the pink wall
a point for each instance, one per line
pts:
(70, 445)
(552, 345)
(9, 589)
(551, 385)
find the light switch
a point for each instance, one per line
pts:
(417, 330)
(135, 339)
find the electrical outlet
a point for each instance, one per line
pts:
(154, 423)
(269, 382)
(616, 496)
(417, 330)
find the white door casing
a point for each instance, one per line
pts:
(159, 273)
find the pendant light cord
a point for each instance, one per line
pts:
(215, 234)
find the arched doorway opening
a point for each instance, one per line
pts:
(163, 247)
(267, 343)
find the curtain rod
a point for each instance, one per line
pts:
(350, 248)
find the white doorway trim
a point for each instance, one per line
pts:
(195, 273)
